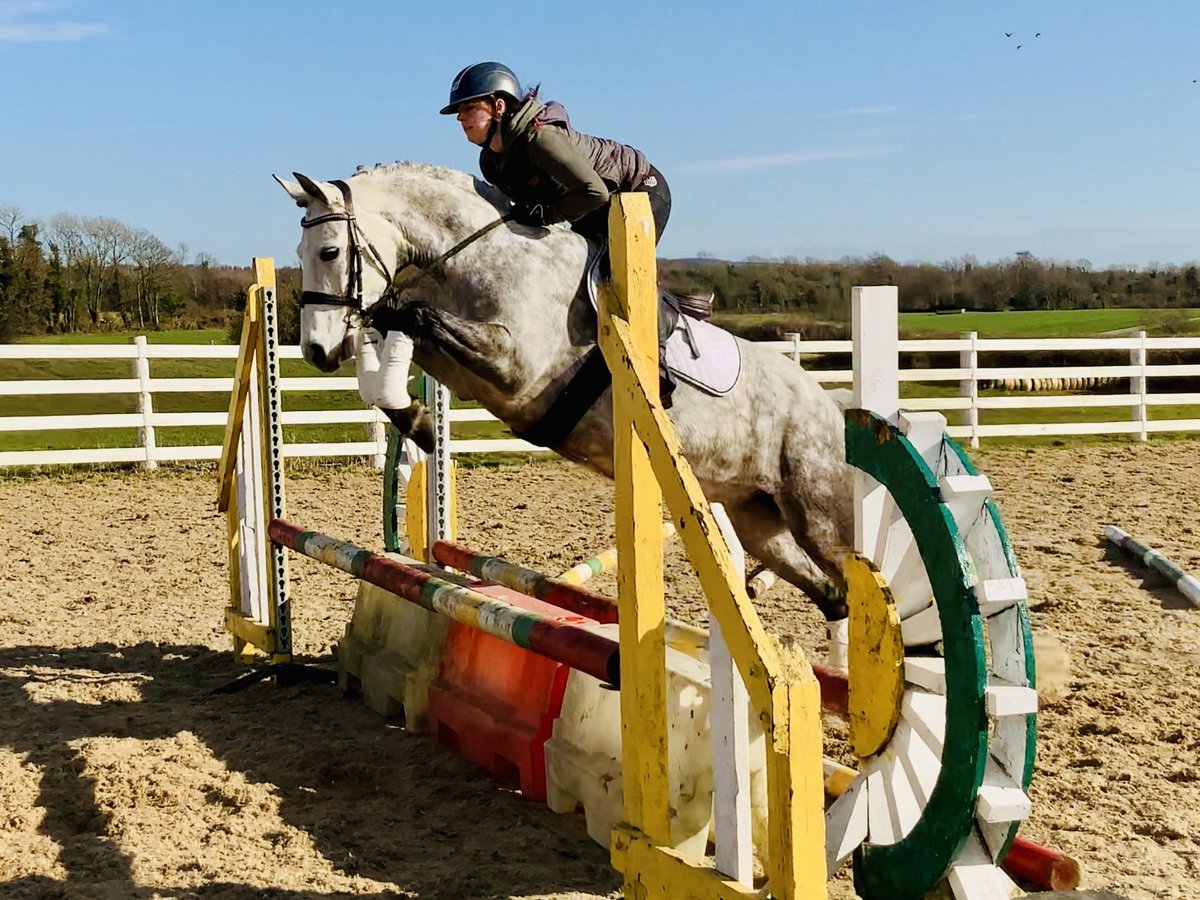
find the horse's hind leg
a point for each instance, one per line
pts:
(765, 534)
(818, 510)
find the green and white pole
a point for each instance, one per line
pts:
(1186, 584)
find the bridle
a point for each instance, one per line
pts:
(356, 240)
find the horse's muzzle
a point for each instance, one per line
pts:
(315, 355)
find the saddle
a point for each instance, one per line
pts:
(671, 307)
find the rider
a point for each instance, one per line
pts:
(552, 172)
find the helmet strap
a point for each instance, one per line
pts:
(492, 128)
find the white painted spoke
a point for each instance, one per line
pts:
(1007, 639)
(922, 629)
(974, 876)
(901, 797)
(925, 431)
(910, 584)
(1010, 699)
(1000, 797)
(920, 761)
(1007, 745)
(928, 672)
(879, 815)
(877, 511)
(994, 595)
(845, 825)
(927, 714)
(965, 495)
(893, 545)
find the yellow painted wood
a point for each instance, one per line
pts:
(416, 512)
(876, 658)
(657, 873)
(637, 507)
(253, 633)
(242, 373)
(749, 643)
(838, 778)
(272, 493)
(244, 642)
(786, 700)
(795, 793)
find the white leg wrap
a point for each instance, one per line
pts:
(366, 364)
(839, 643)
(383, 364)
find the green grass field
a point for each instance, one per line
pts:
(1006, 324)
(1039, 324)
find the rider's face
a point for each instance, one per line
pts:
(475, 117)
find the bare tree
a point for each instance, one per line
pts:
(154, 263)
(11, 220)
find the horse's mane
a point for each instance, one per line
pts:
(406, 170)
(408, 167)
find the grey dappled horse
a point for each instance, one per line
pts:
(504, 321)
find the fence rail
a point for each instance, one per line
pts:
(966, 403)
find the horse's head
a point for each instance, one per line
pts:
(343, 269)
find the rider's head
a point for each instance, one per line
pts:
(480, 96)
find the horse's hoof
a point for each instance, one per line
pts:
(421, 431)
(414, 423)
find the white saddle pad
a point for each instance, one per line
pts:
(704, 356)
(700, 353)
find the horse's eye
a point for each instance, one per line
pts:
(329, 254)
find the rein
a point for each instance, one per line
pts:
(352, 299)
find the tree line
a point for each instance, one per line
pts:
(93, 273)
(79, 273)
(822, 288)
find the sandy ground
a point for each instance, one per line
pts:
(122, 776)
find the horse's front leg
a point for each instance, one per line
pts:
(486, 349)
(382, 364)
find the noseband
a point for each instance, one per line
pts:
(352, 299)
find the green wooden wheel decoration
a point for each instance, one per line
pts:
(393, 528)
(1014, 738)
(943, 796)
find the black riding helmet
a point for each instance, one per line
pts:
(482, 79)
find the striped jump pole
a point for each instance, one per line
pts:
(568, 644)
(1186, 584)
(528, 581)
(602, 562)
(834, 686)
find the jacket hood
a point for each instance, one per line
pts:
(531, 111)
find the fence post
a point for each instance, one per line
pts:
(730, 738)
(794, 337)
(1138, 384)
(141, 370)
(968, 358)
(377, 432)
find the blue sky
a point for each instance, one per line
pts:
(822, 129)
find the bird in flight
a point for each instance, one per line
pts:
(1019, 46)
(1039, 34)
(1008, 34)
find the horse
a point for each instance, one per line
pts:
(503, 318)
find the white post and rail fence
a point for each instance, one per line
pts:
(1043, 400)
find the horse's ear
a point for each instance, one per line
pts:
(319, 190)
(295, 191)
